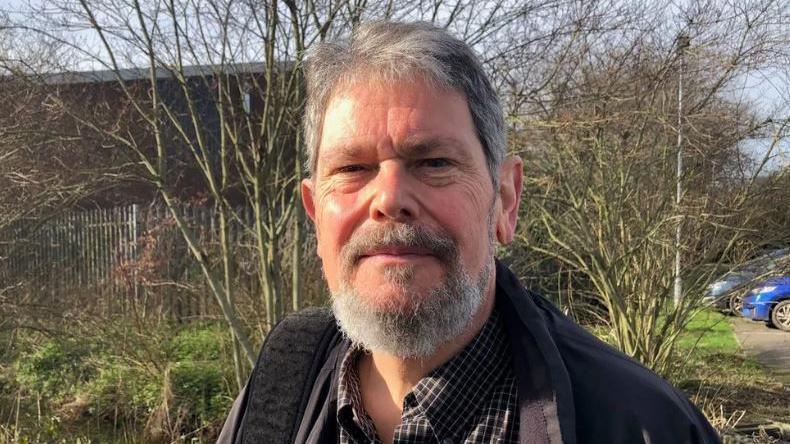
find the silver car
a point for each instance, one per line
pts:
(726, 294)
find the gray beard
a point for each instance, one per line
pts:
(429, 321)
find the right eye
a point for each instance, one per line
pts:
(354, 168)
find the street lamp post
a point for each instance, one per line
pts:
(683, 42)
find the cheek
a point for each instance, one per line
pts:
(460, 218)
(334, 224)
(465, 217)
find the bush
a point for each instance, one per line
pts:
(172, 381)
(199, 388)
(123, 389)
(56, 368)
(198, 343)
(198, 376)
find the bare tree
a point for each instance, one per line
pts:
(600, 206)
(590, 90)
(213, 90)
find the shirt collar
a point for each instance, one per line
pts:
(351, 415)
(450, 395)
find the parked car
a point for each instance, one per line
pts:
(726, 294)
(769, 301)
(720, 293)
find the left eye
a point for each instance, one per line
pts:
(434, 163)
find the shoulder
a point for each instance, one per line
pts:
(615, 396)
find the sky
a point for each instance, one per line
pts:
(770, 92)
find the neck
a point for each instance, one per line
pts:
(386, 379)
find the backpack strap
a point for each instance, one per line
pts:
(280, 385)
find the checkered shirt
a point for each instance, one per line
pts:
(472, 398)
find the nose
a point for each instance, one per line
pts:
(393, 197)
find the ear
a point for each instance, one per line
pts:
(308, 202)
(510, 177)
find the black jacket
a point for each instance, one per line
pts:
(572, 387)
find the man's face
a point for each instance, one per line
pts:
(401, 156)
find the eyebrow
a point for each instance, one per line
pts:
(411, 147)
(418, 144)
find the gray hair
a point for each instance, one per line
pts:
(396, 51)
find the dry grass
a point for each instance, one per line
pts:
(732, 390)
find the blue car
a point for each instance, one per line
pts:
(769, 301)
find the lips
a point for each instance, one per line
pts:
(397, 251)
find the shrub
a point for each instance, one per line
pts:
(123, 389)
(198, 343)
(56, 368)
(199, 372)
(198, 388)
(168, 381)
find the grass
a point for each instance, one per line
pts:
(708, 332)
(712, 369)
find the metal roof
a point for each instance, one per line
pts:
(131, 74)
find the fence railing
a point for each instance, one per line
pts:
(78, 248)
(107, 251)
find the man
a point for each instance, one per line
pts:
(409, 187)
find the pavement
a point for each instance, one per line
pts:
(768, 346)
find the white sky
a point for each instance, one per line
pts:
(770, 92)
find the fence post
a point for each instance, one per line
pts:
(104, 249)
(94, 219)
(133, 251)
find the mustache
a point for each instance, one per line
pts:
(439, 244)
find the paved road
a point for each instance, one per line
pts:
(769, 346)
